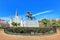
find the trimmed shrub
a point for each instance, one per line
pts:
(27, 30)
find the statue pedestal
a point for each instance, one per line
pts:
(31, 23)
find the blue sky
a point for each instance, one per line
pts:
(8, 8)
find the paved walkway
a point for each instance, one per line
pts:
(4, 36)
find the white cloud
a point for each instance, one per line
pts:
(43, 12)
(5, 18)
(8, 18)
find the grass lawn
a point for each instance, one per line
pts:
(1, 29)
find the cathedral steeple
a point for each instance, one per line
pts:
(17, 20)
(16, 12)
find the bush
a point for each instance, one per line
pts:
(27, 30)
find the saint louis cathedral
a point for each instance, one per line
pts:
(23, 23)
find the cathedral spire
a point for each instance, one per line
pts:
(16, 12)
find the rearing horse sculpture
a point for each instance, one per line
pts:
(29, 15)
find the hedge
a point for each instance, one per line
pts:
(27, 30)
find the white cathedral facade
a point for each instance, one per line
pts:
(23, 23)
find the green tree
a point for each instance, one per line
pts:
(18, 24)
(58, 23)
(46, 22)
(14, 24)
(54, 22)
